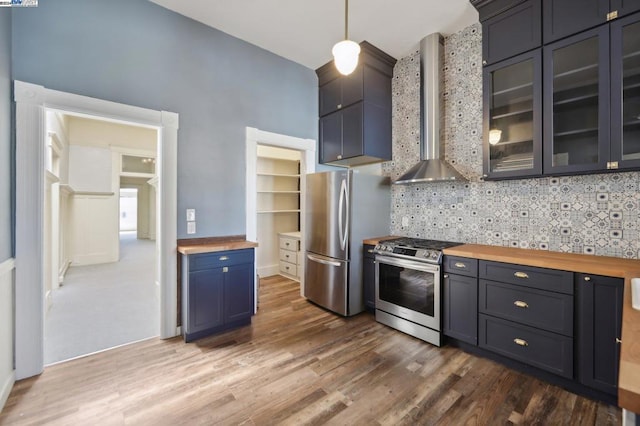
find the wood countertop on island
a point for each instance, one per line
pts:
(629, 375)
(214, 244)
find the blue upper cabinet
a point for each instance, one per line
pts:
(625, 99)
(588, 95)
(355, 110)
(512, 32)
(576, 103)
(563, 18)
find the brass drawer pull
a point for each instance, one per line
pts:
(370, 251)
(521, 304)
(520, 275)
(460, 265)
(224, 258)
(225, 269)
(587, 278)
(520, 342)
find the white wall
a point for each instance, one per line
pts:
(104, 134)
(7, 375)
(95, 235)
(94, 168)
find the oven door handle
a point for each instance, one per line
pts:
(404, 263)
(324, 262)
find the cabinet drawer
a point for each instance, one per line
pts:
(538, 308)
(219, 259)
(461, 266)
(288, 268)
(289, 256)
(289, 244)
(542, 349)
(541, 278)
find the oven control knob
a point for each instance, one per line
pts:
(377, 247)
(389, 248)
(434, 255)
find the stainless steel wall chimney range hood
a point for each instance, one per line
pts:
(431, 167)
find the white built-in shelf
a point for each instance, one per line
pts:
(279, 211)
(272, 191)
(277, 175)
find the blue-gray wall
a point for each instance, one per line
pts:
(137, 53)
(5, 134)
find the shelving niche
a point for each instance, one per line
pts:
(278, 203)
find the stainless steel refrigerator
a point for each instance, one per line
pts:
(341, 209)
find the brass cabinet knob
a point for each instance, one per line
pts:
(587, 278)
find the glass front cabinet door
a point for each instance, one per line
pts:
(625, 93)
(576, 103)
(512, 117)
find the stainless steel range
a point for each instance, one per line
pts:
(408, 286)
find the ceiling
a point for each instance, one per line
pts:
(304, 31)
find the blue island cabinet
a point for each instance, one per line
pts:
(217, 292)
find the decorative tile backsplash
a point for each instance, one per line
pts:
(594, 214)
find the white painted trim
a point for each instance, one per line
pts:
(63, 271)
(307, 148)
(31, 102)
(80, 194)
(7, 266)
(55, 143)
(6, 388)
(269, 270)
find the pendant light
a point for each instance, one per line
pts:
(345, 53)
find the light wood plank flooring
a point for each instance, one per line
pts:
(296, 364)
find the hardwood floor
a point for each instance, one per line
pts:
(296, 364)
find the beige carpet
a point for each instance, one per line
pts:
(102, 306)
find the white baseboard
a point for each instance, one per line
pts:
(267, 271)
(63, 271)
(6, 389)
(7, 266)
(93, 259)
(8, 372)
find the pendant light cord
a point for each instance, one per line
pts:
(346, 19)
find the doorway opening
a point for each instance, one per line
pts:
(128, 210)
(100, 239)
(31, 102)
(276, 190)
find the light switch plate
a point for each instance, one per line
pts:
(191, 215)
(191, 227)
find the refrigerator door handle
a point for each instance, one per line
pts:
(343, 228)
(324, 262)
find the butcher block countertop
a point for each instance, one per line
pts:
(213, 244)
(629, 375)
(375, 240)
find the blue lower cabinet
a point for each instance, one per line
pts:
(217, 292)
